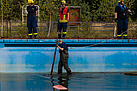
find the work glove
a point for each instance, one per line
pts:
(57, 45)
(116, 20)
(131, 13)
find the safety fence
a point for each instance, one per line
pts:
(4, 25)
(17, 29)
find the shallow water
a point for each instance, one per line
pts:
(74, 82)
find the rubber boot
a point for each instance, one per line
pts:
(125, 37)
(59, 36)
(59, 72)
(35, 36)
(30, 37)
(119, 37)
(64, 36)
(69, 72)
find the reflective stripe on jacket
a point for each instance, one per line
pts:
(63, 16)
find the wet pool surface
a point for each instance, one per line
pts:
(74, 82)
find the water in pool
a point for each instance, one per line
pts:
(74, 82)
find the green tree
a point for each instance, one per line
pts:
(47, 8)
(85, 9)
(105, 12)
(97, 10)
(134, 10)
(12, 9)
(49, 11)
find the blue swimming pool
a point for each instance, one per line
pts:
(90, 55)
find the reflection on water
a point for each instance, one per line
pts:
(59, 80)
(74, 82)
(62, 80)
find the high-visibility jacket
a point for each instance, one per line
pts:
(63, 16)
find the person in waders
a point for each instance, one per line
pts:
(121, 19)
(31, 19)
(63, 50)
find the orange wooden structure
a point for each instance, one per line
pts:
(74, 14)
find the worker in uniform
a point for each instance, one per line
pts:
(31, 19)
(121, 19)
(63, 50)
(63, 19)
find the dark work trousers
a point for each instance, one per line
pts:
(63, 62)
(60, 27)
(32, 24)
(122, 27)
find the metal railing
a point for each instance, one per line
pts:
(4, 26)
(18, 24)
(75, 25)
(102, 27)
(72, 26)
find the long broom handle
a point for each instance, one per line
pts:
(54, 55)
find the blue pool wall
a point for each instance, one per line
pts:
(85, 55)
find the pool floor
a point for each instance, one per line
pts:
(74, 82)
